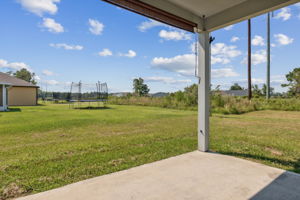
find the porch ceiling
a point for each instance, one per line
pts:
(208, 15)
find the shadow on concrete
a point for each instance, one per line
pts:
(285, 187)
(295, 164)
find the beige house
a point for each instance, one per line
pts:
(18, 92)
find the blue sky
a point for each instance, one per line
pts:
(65, 41)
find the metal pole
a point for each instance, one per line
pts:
(268, 91)
(249, 61)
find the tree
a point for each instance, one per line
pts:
(25, 75)
(256, 91)
(236, 86)
(139, 87)
(293, 78)
(264, 90)
(191, 94)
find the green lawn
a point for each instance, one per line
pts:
(49, 146)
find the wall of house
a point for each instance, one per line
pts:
(22, 96)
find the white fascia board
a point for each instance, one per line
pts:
(244, 11)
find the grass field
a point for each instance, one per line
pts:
(49, 146)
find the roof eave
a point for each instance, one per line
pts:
(188, 20)
(244, 11)
(28, 86)
(3, 83)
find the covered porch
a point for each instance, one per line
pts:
(4, 96)
(194, 175)
(202, 17)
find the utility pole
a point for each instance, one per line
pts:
(268, 91)
(249, 61)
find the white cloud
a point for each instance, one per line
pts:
(284, 14)
(193, 47)
(66, 46)
(257, 58)
(258, 41)
(234, 39)
(223, 73)
(282, 39)
(144, 26)
(52, 25)
(105, 52)
(278, 77)
(182, 64)
(228, 28)
(260, 81)
(37, 78)
(215, 60)
(14, 65)
(278, 81)
(174, 35)
(130, 54)
(39, 7)
(47, 73)
(254, 81)
(50, 82)
(222, 53)
(96, 27)
(166, 80)
(185, 65)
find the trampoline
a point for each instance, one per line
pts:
(90, 95)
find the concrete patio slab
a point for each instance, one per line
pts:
(194, 175)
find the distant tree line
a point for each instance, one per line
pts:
(189, 94)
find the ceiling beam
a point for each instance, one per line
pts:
(175, 10)
(163, 12)
(244, 11)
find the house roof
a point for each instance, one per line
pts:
(239, 93)
(205, 15)
(11, 80)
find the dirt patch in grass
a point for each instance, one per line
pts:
(11, 191)
(116, 162)
(274, 151)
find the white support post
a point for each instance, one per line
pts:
(203, 91)
(4, 97)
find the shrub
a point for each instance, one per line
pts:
(219, 104)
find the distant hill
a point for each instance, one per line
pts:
(159, 94)
(119, 94)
